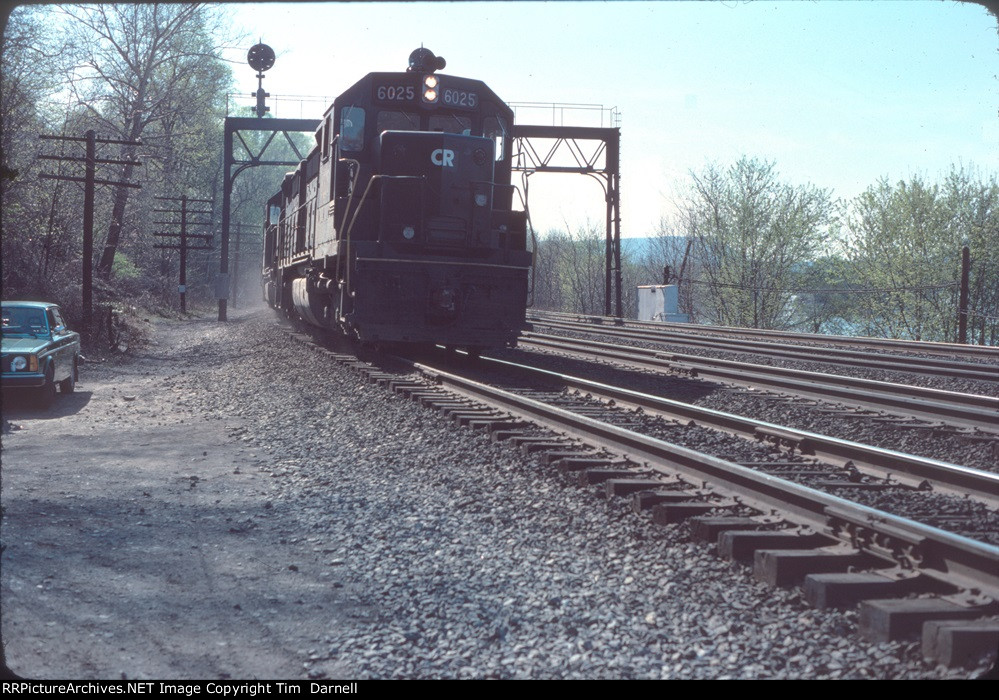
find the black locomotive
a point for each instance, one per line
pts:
(399, 226)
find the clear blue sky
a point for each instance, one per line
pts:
(837, 93)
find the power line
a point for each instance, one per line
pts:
(849, 290)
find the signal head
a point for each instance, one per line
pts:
(260, 57)
(424, 61)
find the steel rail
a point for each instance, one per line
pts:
(913, 346)
(897, 363)
(934, 551)
(963, 480)
(956, 408)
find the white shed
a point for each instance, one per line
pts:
(660, 302)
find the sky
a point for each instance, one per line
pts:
(837, 94)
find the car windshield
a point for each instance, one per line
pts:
(23, 320)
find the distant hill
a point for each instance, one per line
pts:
(640, 247)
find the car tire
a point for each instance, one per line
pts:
(68, 385)
(45, 394)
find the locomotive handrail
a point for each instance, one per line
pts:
(357, 210)
(534, 238)
(350, 198)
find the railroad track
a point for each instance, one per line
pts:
(911, 347)
(916, 472)
(970, 411)
(843, 553)
(932, 366)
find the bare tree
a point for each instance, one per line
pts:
(584, 270)
(30, 68)
(570, 272)
(547, 282)
(669, 250)
(143, 68)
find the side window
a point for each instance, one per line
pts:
(57, 317)
(51, 319)
(274, 215)
(327, 137)
(352, 129)
(496, 129)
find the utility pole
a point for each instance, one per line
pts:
(90, 162)
(962, 309)
(183, 245)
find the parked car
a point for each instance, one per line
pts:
(38, 352)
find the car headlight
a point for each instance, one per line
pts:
(18, 363)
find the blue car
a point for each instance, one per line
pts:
(39, 352)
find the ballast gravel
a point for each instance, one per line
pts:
(444, 555)
(470, 561)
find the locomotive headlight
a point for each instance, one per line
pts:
(408, 233)
(430, 95)
(431, 81)
(18, 363)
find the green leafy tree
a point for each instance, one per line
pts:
(906, 239)
(826, 301)
(971, 200)
(750, 232)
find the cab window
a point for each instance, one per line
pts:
(496, 129)
(273, 214)
(392, 120)
(451, 124)
(352, 129)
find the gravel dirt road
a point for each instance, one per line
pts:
(226, 504)
(138, 537)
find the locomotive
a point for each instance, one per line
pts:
(399, 226)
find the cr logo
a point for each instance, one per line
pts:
(443, 157)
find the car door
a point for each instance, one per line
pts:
(63, 344)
